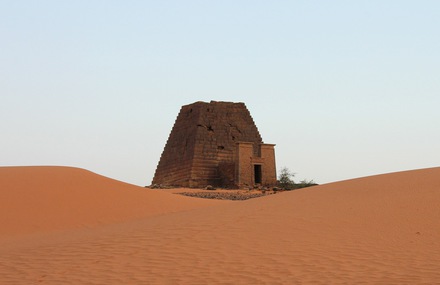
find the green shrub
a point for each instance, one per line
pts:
(285, 180)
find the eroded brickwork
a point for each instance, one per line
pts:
(204, 148)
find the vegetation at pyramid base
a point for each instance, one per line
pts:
(286, 182)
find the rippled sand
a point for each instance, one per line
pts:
(70, 226)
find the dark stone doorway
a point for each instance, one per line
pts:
(257, 173)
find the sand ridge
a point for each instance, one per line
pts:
(45, 198)
(381, 229)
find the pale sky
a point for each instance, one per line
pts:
(343, 88)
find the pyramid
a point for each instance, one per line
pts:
(218, 144)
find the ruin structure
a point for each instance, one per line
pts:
(218, 144)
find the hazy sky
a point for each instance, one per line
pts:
(343, 88)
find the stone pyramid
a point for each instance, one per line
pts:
(218, 144)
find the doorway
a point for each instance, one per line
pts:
(257, 173)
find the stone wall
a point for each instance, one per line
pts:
(244, 165)
(269, 172)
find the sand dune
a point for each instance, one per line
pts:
(381, 229)
(38, 199)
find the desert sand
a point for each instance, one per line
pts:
(62, 225)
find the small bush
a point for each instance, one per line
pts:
(305, 183)
(286, 179)
(286, 182)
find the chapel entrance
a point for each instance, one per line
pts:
(257, 173)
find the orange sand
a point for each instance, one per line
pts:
(70, 226)
(35, 199)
